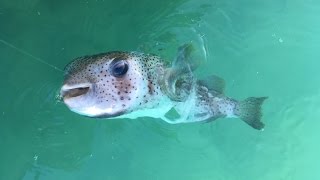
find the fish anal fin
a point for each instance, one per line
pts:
(213, 83)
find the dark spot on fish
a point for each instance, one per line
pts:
(150, 88)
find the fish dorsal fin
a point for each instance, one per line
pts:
(185, 60)
(213, 83)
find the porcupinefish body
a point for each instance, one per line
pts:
(132, 85)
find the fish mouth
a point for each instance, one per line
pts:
(68, 91)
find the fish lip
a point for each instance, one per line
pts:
(74, 91)
(106, 115)
(101, 115)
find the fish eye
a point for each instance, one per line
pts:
(119, 68)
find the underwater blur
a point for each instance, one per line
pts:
(260, 48)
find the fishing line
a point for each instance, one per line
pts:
(29, 55)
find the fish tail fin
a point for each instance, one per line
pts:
(249, 110)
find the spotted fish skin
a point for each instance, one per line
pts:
(132, 85)
(208, 104)
(110, 96)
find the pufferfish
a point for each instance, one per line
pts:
(131, 85)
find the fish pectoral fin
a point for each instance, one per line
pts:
(213, 83)
(185, 61)
(175, 85)
(178, 80)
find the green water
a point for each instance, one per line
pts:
(261, 48)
